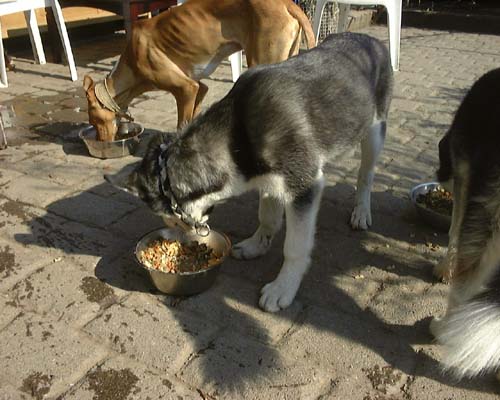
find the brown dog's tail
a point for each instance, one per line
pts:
(297, 13)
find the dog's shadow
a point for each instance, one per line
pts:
(330, 300)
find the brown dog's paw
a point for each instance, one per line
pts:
(444, 270)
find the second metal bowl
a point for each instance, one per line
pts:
(185, 283)
(433, 218)
(116, 148)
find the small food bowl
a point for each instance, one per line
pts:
(434, 218)
(185, 283)
(126, 144)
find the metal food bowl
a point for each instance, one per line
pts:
(433, 218)
(116, 148)
(185, 283)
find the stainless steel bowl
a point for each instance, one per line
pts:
(433, 218)
(116, 148)
(185, 283)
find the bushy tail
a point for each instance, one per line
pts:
(296, 12)
(471, 336)
(445, 171)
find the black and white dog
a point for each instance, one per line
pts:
(273, 132)
(470, 164)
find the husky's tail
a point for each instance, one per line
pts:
(445, 171)
(470, 334)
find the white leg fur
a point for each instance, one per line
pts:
(469, 335)
(469, 330)
(371, 146)
(299, 241)
(270, 219)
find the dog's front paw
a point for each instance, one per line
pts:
(361, 217)
(278, 294)
(253, 247)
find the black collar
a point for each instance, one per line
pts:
(202, 228)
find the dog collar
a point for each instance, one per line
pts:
(102, 93)
(201, 228)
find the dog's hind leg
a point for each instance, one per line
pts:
(185, 91)
(371, 146)
(270, 219)
(300, 226)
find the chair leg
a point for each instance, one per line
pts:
(3, 72)
(127, 19)
(236, 63)
(61, 26)
(36, 40)
(318, 14)
(394, 25)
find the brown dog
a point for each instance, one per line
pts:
(176, 49)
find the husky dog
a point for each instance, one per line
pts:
(273, 132)
(470, 163)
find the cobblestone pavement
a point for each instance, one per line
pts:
(80, 320)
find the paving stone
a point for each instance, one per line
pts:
(7, 176)
(75, 115)
(26, 225)
(416, 301)
(234, 304)
(90, 209)
(122, 378)
(9, 312)
(18, 261)
(77, 298)
(149, 332)
(230, 368)
(8, 392)
(39, 166)
(431, 383)
(345, 344)
(11, 155)
(137, 223)
(41, 355)
(76, 239)
(34, 191)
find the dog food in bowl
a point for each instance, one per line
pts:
(200, 256)
(176, 257)
(438, 200)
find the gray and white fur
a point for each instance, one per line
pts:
(470, 164)
(273, 132)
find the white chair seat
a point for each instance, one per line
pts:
(29, 6)
(393, 22)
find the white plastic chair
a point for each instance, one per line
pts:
(236, 60)
(29, 6)
(393, 16)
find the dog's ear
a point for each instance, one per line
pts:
(87, 83)
(125, 179)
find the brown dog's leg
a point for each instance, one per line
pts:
(202, 91)
(185, 93)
